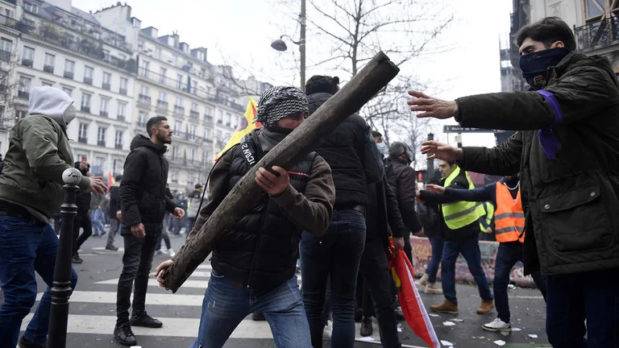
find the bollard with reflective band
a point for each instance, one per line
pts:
(61, 286)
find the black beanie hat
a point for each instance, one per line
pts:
(321, 83)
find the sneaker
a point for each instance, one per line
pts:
(111, 247)
(433, 289)
(485, 307)
(76, 259)
(445, 307)
(497, 325)
(145, 320)
(24, 343)
(423, 281)
(159, 252)
(171, 252)
(366, 328)
(124, 336)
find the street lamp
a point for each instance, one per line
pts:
(280, 44)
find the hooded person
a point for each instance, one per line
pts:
(254, 264)
(30, 194)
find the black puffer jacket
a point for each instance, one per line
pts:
(349, 151)
(402, 178)
(571, 202)
(143, 188)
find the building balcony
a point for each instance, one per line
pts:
(26, 62)
(88, 80)
(68, 75)
(194, 115)
(118, 146)
(101, 143)
(120, 118)
(144, 101)
(82, 140)
(5, 56)
(85, 109)
(103, 113)
(598, 34)
(48, 69)
(106, 86)
(23, 95)
(162, 106)
(122, 91)
(179, 110)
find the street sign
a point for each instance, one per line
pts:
(458, 129)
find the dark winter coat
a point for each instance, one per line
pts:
(143, 196)
(349, 151)
(402, 178)
(261, 250)
(571, 202)
(114, 205)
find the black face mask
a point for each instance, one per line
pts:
(535, 65)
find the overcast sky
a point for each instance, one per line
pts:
(463, 60)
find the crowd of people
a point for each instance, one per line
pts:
(334, 211)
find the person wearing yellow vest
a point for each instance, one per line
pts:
(509, 232)
(460, 229)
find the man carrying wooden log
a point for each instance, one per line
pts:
(254, 264)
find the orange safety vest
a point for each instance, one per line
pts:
(509, 216)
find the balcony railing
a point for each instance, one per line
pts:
(26, 62)
(82, 140)
(85, 109)
(122, 91)
(101, 143)
(48, 69)
(598, 34)
(68, 75)
(194, 115)
(88, 80)
(23, 95)
(103, 113)
(106, 86)
(118, 146)
(179, 110)
(120, 118)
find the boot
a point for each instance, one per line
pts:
(445, 307)
(366, 328)
(111, 247)
(485, 307)
(145, 320)
(25, 343)
(124, 336)
(423, 281)
(433, 289)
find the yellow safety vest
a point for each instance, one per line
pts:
(462, 213)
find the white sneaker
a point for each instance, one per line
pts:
(423, 280)
(171, 252)
(433, 289)
(497, 325)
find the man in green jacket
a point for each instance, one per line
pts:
(567, 152)
(30, 193)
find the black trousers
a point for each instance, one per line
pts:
(137, 261)
(376, 278)
(81, 221)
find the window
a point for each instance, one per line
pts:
(162, 75)
(27, 56)
(143, 117)
(144, 68)
(67, 90)
(23, 87)
(83, 133)
(101, 136)
(47, 83)
(30, 7)
(107, 81)
(122, 110)
(163, 96)
(85, 106)
(594, 8)
(194, 107)
(104, 107)
(123, 86)
(179, 101)
(69, 68)
(49, 63)
(6, 46)
(179, 78)
(118, 139)
(88, 73)
(144, 90)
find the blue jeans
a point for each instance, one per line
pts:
(26, 246)
(436, 242)
(226, 304)
(337, 257)
(469, 248)
(574, 298)
(507, 256)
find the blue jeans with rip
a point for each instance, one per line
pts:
(226, 304)
(469, 248)
(26, 246)
(335, 257)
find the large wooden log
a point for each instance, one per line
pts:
(244, 195)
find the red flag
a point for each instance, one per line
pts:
(110, 179)
(410, 301)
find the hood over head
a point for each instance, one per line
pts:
(51, 102)
(142, 141)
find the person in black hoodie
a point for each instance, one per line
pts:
(351, 153)
(143, 202)
(82, 219)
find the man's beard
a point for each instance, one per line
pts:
(163, 139)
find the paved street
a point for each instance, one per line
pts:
(92, 311)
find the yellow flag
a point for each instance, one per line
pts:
(245, 127)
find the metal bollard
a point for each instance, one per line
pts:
(61, 287)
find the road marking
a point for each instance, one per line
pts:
(528, 297)
(196, 284)
(151, 299)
